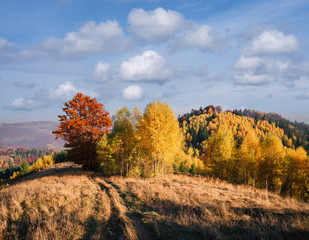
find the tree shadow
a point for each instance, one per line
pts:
(166, 212)
(91, 226)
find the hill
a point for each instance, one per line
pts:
(295, 134)
(29, 135)
(64, 202)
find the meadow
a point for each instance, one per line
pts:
(65, 202)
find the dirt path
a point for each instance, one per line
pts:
(143, 230)
(124, 222)
(119, 225)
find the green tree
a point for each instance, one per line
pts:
(124, 131)
(24, 168)
(60, 157)
(182, 167)
(193, 169)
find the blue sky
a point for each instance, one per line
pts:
(237, 54)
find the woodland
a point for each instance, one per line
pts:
(207, 175)
(241, 147)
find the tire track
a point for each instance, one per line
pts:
(144, 231)
(119, 225)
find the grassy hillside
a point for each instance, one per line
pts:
(63, 202)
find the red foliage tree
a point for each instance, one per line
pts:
(83, 124)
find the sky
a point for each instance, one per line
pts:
(236, 54)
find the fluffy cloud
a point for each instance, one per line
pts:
(156, 25)
(268, 60)
(66, 91)
(25, 104)
(248, 62)
(102, 72)
(273, 41)
(150, 66)
(133, 93)
(200, 39)
(91, 38)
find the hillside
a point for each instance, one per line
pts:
(29, 135)
(63, 202)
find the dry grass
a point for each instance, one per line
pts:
(186, 207)
(63, 202)
(61, 206)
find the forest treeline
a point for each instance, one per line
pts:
(240, 149)
(12, 158)
(45, 159)
(225, 145)
(248, 150)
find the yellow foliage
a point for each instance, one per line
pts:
(159, 136)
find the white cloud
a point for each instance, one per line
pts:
(248, 62)
(102, 72)
(150, 66)
(200, 39)
(24, 104)
(273, 41)
(91, 38)
(133, 93)
(64, 92)
(5, 44)
(268, 59)
(67, 91)
(252, 79)
(156, 25)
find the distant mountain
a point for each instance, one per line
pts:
(29, 135)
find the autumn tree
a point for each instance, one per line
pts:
(268, 167)
(219, 151)
(249, 154)
(159, 137)
(292, 174)
(82, 125)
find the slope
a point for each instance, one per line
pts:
(64, 202)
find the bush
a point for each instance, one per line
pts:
(193, 169)
(182, 168)
(24, 168)
(60, 157)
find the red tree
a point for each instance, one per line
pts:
(83, 124)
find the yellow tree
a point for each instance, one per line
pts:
(292, 171)
(268, 167)
(250, 154)
(159, 136)
(219, 151)
(124, 131)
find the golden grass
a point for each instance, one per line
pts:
(63, 202)
(63, 206)
(197, 208)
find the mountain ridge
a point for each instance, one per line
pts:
(30, 134)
